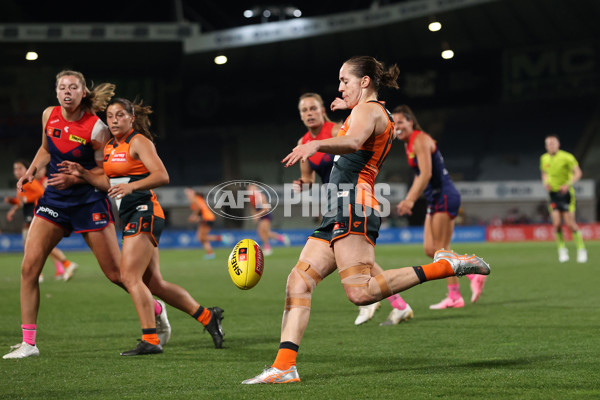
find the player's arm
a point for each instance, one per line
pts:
(307, 175)
(94, 176)
(423, 147)
(364, 118)
(141, 148)
(16, 204)
(42, 156)
(545, 181)
(576, 176)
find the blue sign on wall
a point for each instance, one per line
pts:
(184, 239)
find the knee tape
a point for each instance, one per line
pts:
(378, 287)
(302, 298)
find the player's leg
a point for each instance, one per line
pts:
(365, 313)
(353, 257)
(203, 232)
(178, 297)
(569, 218)
(437, 235)
(105, 247)
(138, 250)
(42, 237)
(401, 310)
(58, 257)
(264, 229)
(280, 237)
(556, 215)
(316, 261)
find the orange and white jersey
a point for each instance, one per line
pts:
(199, 205)
(121, 167)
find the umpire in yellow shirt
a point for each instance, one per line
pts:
(560, 170)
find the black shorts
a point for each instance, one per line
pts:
(210, 224)
(562, 201)
(355, 219)
(28, 211)
(143, 221)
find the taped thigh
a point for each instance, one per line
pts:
(356, 276)
(301, 298)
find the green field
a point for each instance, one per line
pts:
(534, 334)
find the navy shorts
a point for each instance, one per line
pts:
(88, 217)
(448, 203)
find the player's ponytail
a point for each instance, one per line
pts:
(141, 123)
(96, 99)
(374, 69)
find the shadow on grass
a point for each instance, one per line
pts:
(361, 365)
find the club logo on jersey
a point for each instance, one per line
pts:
(143, 207)
(119, 157)
(98, 217)
(356, 224)
(74, 138)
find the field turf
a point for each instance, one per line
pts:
(534, 334)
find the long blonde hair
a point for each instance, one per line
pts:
(96, 99)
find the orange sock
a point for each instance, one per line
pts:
(204, 317)
(285, 359)
(66, 263)
(151, 338)
(437, 270)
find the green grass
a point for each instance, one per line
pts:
(534, 334)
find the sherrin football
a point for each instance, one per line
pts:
(245, 264)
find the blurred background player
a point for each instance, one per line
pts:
(314, 116)
(205, 218)
(560, 170)
(262, 217)
(443, 200)
(26, 201)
